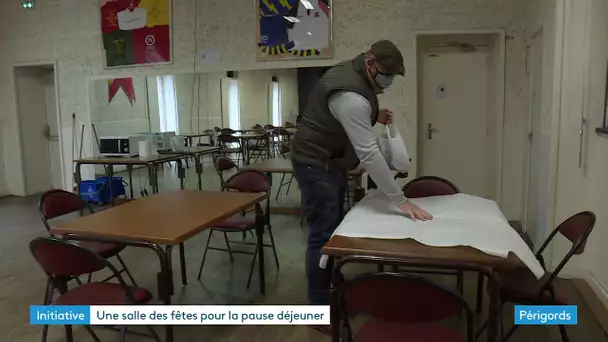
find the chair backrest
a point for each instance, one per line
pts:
(426, 186)
(247, 181)
(217, 129)
(63, 258)
(223, 164)
(208, 131)
(284, 149)
(576, 229)
(268, 127)
(402, 298)
(257, 126)
(263, 140)
(227, 138)
(227, 131)
(289, 124)
(56, 203)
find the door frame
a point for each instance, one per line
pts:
(500, 40)
(528, 147)
(20, 142)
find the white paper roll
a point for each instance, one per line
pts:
(145, 148)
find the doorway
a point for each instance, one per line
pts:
(37, 111)
(537, 187)
(460, 94)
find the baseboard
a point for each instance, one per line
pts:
(594, 293)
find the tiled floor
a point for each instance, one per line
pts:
(223, 282)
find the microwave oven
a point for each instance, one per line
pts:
(119, 146)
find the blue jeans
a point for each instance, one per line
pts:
(322, 202)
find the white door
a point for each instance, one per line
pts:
(537, 160)
(53, 131)
(454, 126)
(31, 101)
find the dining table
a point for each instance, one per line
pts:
(162, 221)
(467, 233)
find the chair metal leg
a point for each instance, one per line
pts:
(289, 184)
(563, 333)
(153, 333)
(506, 337)
(89, 278)
(380, 268)
(280, 186)
(255, 256)
(92, 333)
(228, 246)
(45, 332)
(69, 336)
(481, 330)
(124, 267)
(200, 270)
(77, 280)
(123, 333)
(479, 292)
(274, 249)
(460, 282)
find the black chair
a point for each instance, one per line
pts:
(259, 148)
(401, 307)
(230, 145)
(223, 164)
(242, 181)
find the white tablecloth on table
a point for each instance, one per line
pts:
(458, 220)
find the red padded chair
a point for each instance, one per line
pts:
(242, 181)
(522, 287)
(56, 203)
(401, 306)
(62, 260)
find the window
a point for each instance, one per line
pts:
(234, 107)
(167, 104)
(276, 104)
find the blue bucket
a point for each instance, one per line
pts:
(98, 191)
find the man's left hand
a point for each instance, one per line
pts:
(385, 116)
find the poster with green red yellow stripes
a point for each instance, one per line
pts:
(293, 29)
(136, 32)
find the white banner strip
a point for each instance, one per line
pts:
(210, 315)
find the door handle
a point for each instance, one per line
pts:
(430, 130)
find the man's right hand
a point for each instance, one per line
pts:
(415, 212)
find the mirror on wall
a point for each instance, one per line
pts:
(192, 103)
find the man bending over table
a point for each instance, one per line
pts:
(335, 135)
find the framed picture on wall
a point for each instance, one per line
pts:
(293, 29)
(135, 32)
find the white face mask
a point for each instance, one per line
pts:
(384, 80)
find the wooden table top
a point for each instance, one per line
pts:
(250, 135)
(274, 165)
(192, 150)
(195, 135)
(157, 158)
(412, 250)
(167, 218)
(283, 165)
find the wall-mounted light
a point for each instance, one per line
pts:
(28, 4)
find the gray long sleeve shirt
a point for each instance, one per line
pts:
(353, 112)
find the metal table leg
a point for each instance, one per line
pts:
(130, 170)
(152, 177)
(181, 173)
(269, 177)
(110, 169)
(494, 310)
(199, 170)
(77, 177)
(182, 263)
(259, 230)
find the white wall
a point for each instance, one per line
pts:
(51, 32)
(119, 117)
(584, 188)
